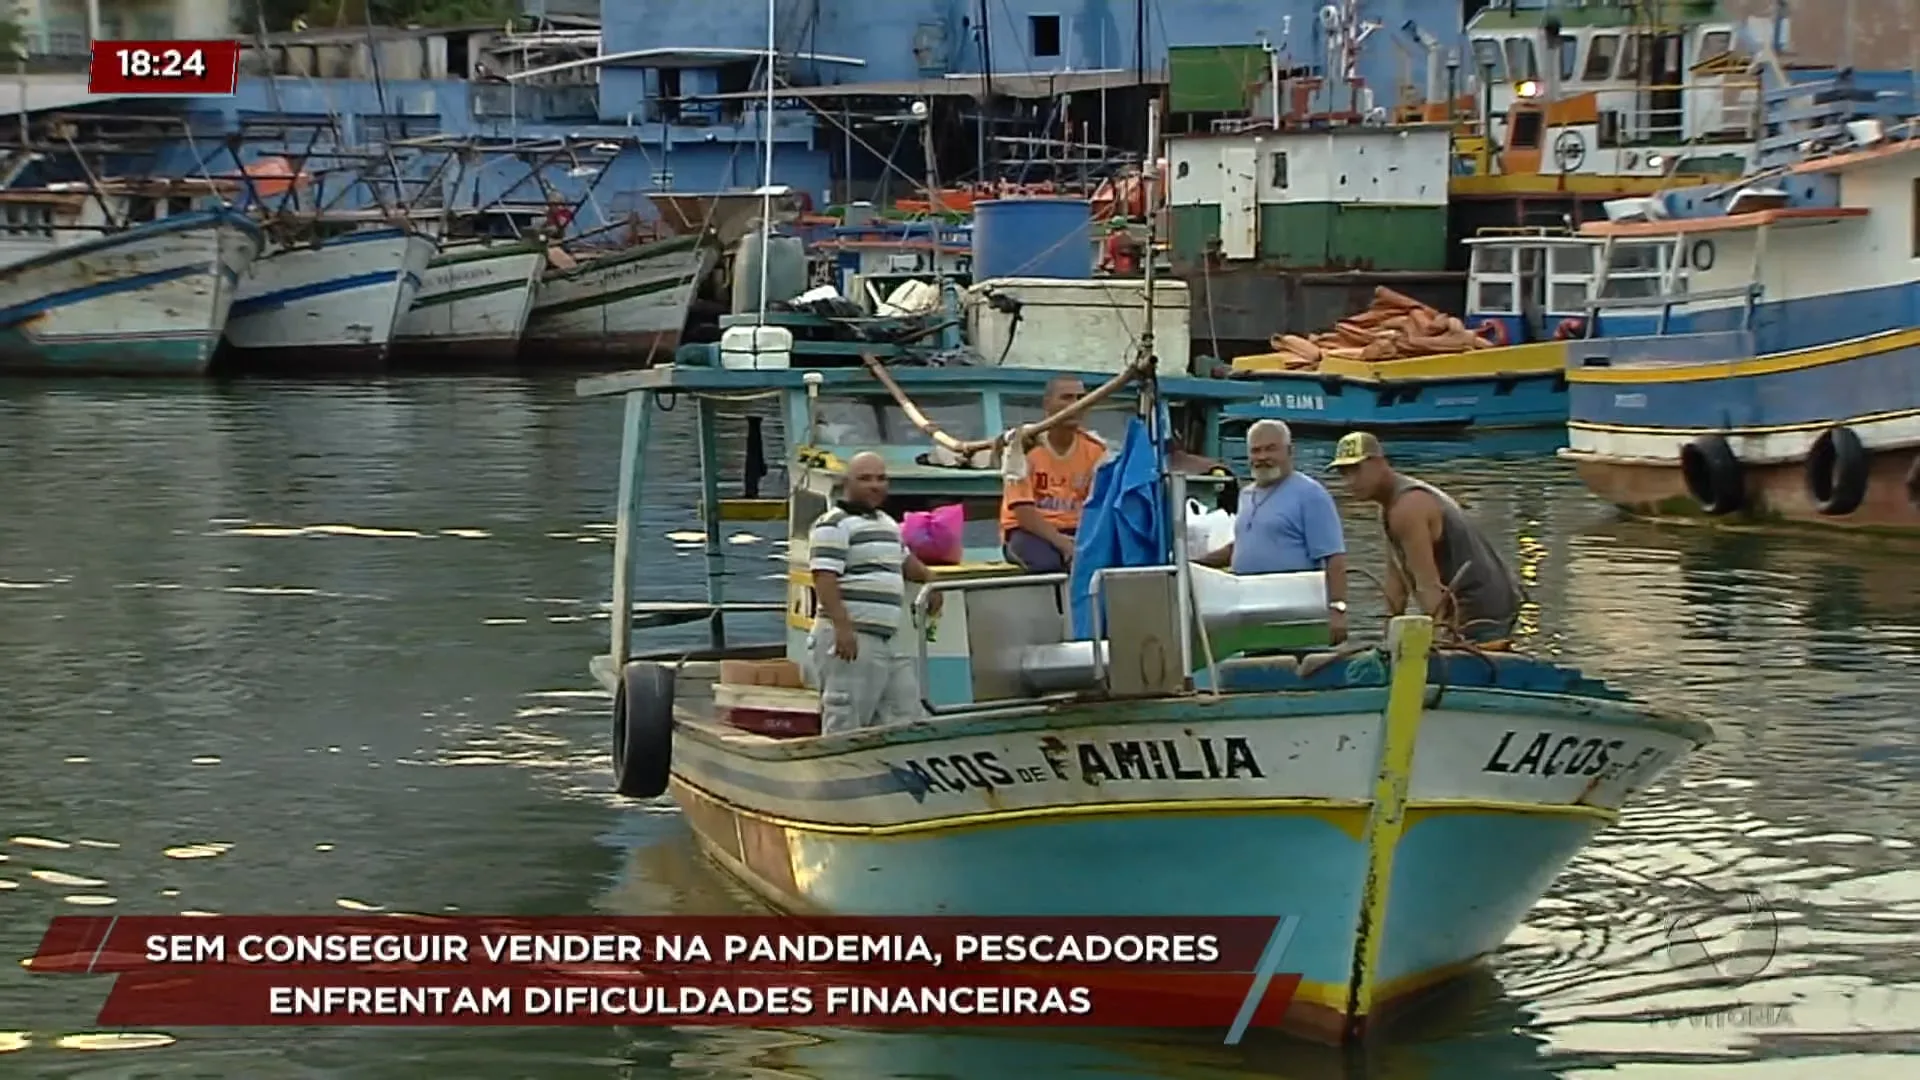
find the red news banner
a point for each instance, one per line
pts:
(164, 68)
(742, 971)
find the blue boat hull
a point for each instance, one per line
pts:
(1334, 404)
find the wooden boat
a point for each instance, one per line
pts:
(328, 291)
(631, 305)
(474, 301)
(1774, 376)
(1409, 802)
(126, 277)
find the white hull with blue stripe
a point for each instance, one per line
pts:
(148, 300)
(337, 302)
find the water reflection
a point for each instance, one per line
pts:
(317, 647)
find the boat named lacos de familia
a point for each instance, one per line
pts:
(1777, 378)
(1409, 804)
(328, 291)
(128, 278)
(473, 302)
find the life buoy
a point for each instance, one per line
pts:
(1913, 482)
(1713, 475)
(1570, 329)
(1493, 330)
(1837, 472)
(643, 730)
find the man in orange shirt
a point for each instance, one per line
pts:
(1040, 511)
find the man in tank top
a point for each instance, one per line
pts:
(1437, 555)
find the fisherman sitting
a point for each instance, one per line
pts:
(1046, 491)
(865, 672)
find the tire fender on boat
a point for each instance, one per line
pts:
(1913, 483)
(1713, 475)
(1495, 331)
(1569, 329)
(1837, 472)
(643, 730)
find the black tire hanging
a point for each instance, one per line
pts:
(643, 730)
(1837, 472)
(1713, 475)
(1913, 482)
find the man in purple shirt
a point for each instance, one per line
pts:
(1287, 522)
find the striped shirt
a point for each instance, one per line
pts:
(867, 555)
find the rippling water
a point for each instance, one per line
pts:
(305, 648)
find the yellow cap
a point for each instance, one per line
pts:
(1353, 448)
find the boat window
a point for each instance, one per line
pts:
(876, 422)
(29, 220)
(1045, 30)
(1526, 130)
(141, 208)
(1600, 56)
(1715, 43)
(1279, 168)
(1569, 58)
(1566, 297)
(1521, 62)
(1107, 420)
(179, 205)
(1488, 60)
(1572, 259)
(1492, 259)
(1631, 49)
(1495, 296)
(1634, 258)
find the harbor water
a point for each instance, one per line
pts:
(279, 648)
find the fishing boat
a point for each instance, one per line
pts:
(1778, 382)
(1141, 736)
(1574, 105)
(127, 277)
(633, 303)
(328, 291)
(473, 303)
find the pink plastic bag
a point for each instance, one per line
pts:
(934, 535)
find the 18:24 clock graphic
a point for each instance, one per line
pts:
(168, 68)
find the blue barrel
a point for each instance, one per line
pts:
(1034, 238)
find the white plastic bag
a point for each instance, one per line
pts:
(1207, 530)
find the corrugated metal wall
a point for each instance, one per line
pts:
(1865, 33)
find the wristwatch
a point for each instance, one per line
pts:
(1337, 605)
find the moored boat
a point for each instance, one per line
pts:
(328, 292)
(1782, 382)
(1409, 803)
(129, 278)
(473, 303)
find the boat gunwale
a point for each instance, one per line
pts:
(173, 223)
(857, 382)
(1097, 712)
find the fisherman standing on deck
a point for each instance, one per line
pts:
(1043, 497)
(1286, 522)
(1436, 555)
(866, 675)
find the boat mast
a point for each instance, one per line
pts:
(766, 174)
(1148, 174)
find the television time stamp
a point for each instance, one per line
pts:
(164, 68)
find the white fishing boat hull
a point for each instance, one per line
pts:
(473, 303)
(631, 305)
(150, 300)
(336, 303)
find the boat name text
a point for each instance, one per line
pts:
(1548, 754)
(1300, 402)
(1205, 758)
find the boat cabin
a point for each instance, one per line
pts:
(1541, 285)
(873, 258)
(1602, 89)
(34, 220)
(823, 418)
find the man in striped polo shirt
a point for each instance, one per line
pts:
(867, 676)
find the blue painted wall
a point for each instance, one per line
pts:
(1094, 33)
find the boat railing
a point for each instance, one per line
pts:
(1663, 350)
(997, 673)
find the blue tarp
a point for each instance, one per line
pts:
(1125, 522)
